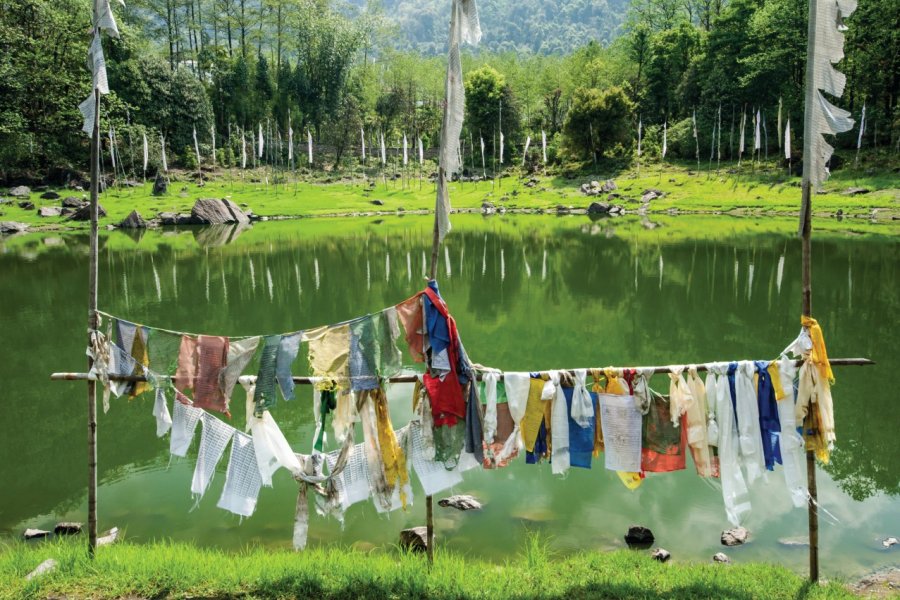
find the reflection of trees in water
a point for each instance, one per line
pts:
(596, 302)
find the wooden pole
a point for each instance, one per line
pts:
(92, 325)
(806, 270)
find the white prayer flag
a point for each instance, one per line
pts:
(212, 131)
(525, 152)
(146, 153)
(259, 145)
(741, 141)
(309, 145)
(383, 151)
(640, 130)
(362, 139)
(665, 138)
(862, 128)
(779, 122)
(787, 140)
(405, 155)
(196, 147)
(243, 150)
(97, 64)
(104, 17)
(88, 113)
(162, 145)
(112, 150)
(501, 147)
(694, 123)
(421, 152)
(757, 139)
(544, 146)
(482, 153)
(290, 141)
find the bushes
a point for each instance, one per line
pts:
(599, 123)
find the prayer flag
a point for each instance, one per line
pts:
(787, 140)
(525, 152)
(259, 145)
(640, 128)
(405, 152)
(543, 146)
(309, 145)
(196, 147)
(421, 152)
(501, 147)
(757, 139)
(362, 139)
(243, 150)
(162, 145)
(665, 138)
(290, 141)
(862, 128)
(146, 153)
(383, 151)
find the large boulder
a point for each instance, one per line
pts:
(50, 195)
(84, 213)
(639, 537)
(49, 211)
(213, 211)
(460, 502)
(160, 185)
(598, 208)
(735, 536)
(608, 186)
(73, 202)
(12, 227)
(134, 220)
(20, 191)
(26, 205)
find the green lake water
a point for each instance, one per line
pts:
(528, 293)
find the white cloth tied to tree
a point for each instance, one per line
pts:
(464, 28)
(582, 404)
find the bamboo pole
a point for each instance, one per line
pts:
(92, 325)
(806, 270)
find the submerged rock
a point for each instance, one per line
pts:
(735, 536)
(414, 539)
(639, 537)
(460, 502)
(794, 542)
(891, 541)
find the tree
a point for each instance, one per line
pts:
(488, 100)
(599, 123)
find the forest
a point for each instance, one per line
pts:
(584, 73)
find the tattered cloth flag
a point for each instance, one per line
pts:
(196, 147)
(525, 152)
(483, 168)
(405, 151)
(741, 140)
(787, 140)
(243, 150)
(362, 139)
(464, 28)
(309, 146)
(421, 152)
(146, 153)
(162, 145)
(501, 147)
(862, 128)
(212, 133)
(665, 138)
(112, 150)
(104, 17)
(259, 144)
(757, 139)
(779, 122)
(383, 150)
(290, 141)
(544, 146)
(640, 129)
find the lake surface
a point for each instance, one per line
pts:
(528, 293)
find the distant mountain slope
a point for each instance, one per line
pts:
(542, 26)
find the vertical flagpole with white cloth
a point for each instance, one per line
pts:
(146, 156)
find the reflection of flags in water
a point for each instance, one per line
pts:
(525, 152)
(309, 145)
(146, 153)
(162, 145)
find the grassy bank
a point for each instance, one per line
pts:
(164, 570)
(748, 189)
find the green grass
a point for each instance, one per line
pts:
(166, 570)
(749, 189)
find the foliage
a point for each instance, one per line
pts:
(599, 123)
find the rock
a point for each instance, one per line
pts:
(26, 205)
(648, 196)
(67, 528)
(84, 213)
(414, 539)
(160, 185)
(50, 196)
(616, 210)
(34, 534)
(589, 190)
(488, 207)
(595, 185)
(212, 211)
(794, 542)
(168, 218)
(735, 536)
(891, 541)
(531, 183)
(639, 537)
(855, 191)
(20, 191)
(378, 202)
(110, 537)
(562, 210)
(460, 502)
(12, 227)
(614, 196)
(45, 567)
(72, 202)
(134, 220)
(608, 186)
(881, 584)
(598, 208)
(49, 211)
(660, 554)
(721, 557)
